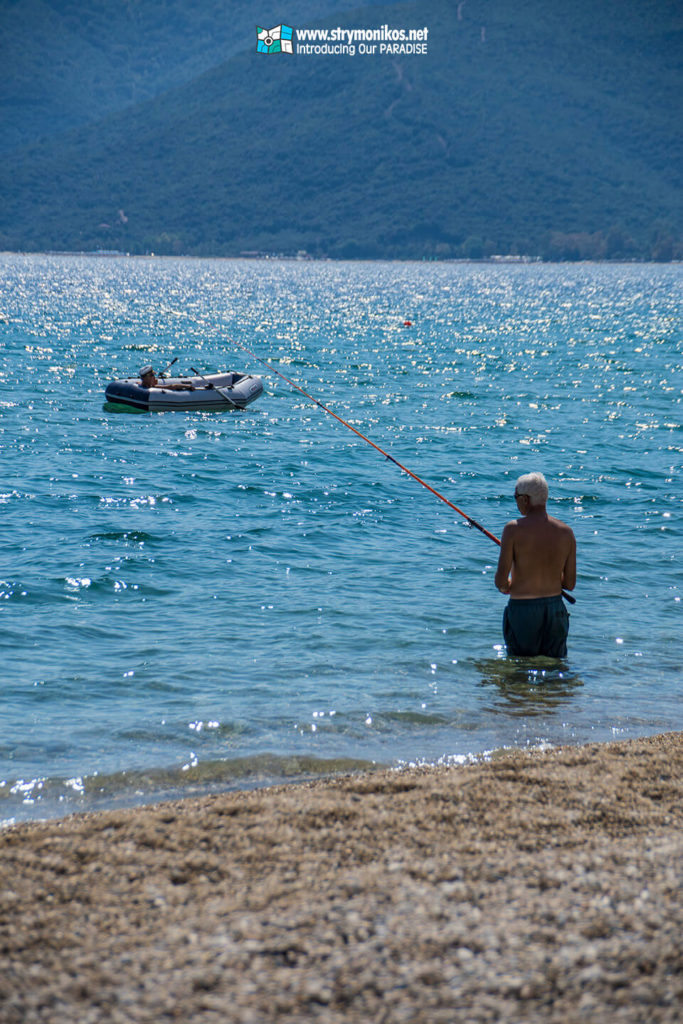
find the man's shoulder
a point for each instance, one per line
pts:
(511, 526)
(560, 525)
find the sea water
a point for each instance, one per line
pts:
(192, 601)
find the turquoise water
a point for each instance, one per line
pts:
(192, 601)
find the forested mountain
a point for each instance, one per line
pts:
(532, 127)
(69, 62)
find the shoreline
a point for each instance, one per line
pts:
(540, 886)
(496, 259)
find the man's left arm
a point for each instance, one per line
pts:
(569, 570)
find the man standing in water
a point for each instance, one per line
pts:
(537, 560)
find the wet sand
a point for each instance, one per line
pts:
(538, 887)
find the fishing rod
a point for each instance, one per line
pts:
(471, 522)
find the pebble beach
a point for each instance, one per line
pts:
(538, 886)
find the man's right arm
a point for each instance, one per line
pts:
(502, 577)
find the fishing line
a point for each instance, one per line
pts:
(471, 522)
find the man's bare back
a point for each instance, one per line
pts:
(537, 556)
(537, 551)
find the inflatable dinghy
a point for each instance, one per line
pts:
(213, 392)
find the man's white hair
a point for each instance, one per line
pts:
(535, 485)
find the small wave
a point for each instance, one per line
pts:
(107, 584)
(40, 798)
(13, 590)
(129, 536)
(415, 718)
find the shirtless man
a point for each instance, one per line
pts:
(149, 380)
(537, 560)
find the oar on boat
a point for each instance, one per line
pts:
(164, 372)
(213, 387)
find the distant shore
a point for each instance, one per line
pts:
(537, 887)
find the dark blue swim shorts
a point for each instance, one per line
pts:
(538, 625)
